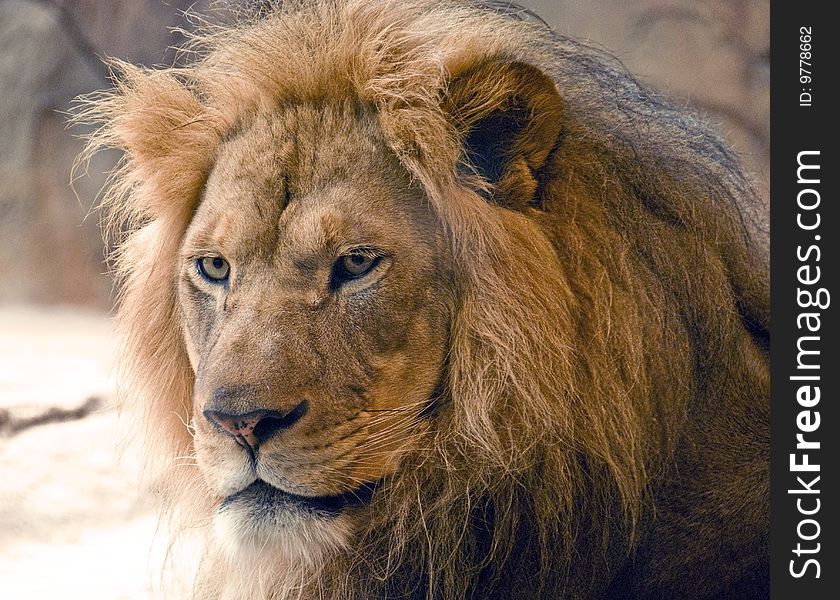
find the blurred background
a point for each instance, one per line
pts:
(73, 523)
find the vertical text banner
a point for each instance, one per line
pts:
(805, 229)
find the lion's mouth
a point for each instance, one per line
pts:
(263, 497)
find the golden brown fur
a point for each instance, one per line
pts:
(569, 379)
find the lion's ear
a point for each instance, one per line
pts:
(509, 117)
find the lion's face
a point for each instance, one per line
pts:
(316, 291)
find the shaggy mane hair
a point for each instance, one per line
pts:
(566, 394)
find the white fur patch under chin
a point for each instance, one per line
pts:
(290, 537)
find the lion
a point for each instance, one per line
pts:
(422, 300)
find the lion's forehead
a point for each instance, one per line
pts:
(282, 181)
(302, 146)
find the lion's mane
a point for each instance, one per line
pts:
(573, 381)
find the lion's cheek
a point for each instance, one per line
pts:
(406, 382)
(192, 351)
(382, 460)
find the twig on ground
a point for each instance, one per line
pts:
(10, 424)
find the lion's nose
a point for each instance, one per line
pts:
(256, 427)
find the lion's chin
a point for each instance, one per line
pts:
(262, 518)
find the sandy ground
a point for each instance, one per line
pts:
(72, 523)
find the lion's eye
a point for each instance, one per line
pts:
(356, 265)
(213, 268)
(353, 266)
